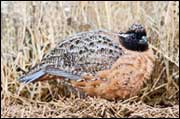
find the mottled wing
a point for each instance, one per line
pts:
(86, 52)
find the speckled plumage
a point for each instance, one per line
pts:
(85, 52)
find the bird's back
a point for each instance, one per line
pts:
(85, 52)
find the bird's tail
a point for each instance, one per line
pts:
(52, 71)
(32, 77)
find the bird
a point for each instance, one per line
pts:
(99, 62)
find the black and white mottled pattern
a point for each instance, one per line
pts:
(85, 52)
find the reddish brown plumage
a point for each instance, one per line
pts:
(124, 79)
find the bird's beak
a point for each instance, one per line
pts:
(123, 35)
(143, 40)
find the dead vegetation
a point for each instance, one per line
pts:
(28, 29)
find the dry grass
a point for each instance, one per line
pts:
(30, 28)
(89, 107)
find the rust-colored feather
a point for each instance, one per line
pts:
(124, 79)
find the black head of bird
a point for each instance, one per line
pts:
(135, 38)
